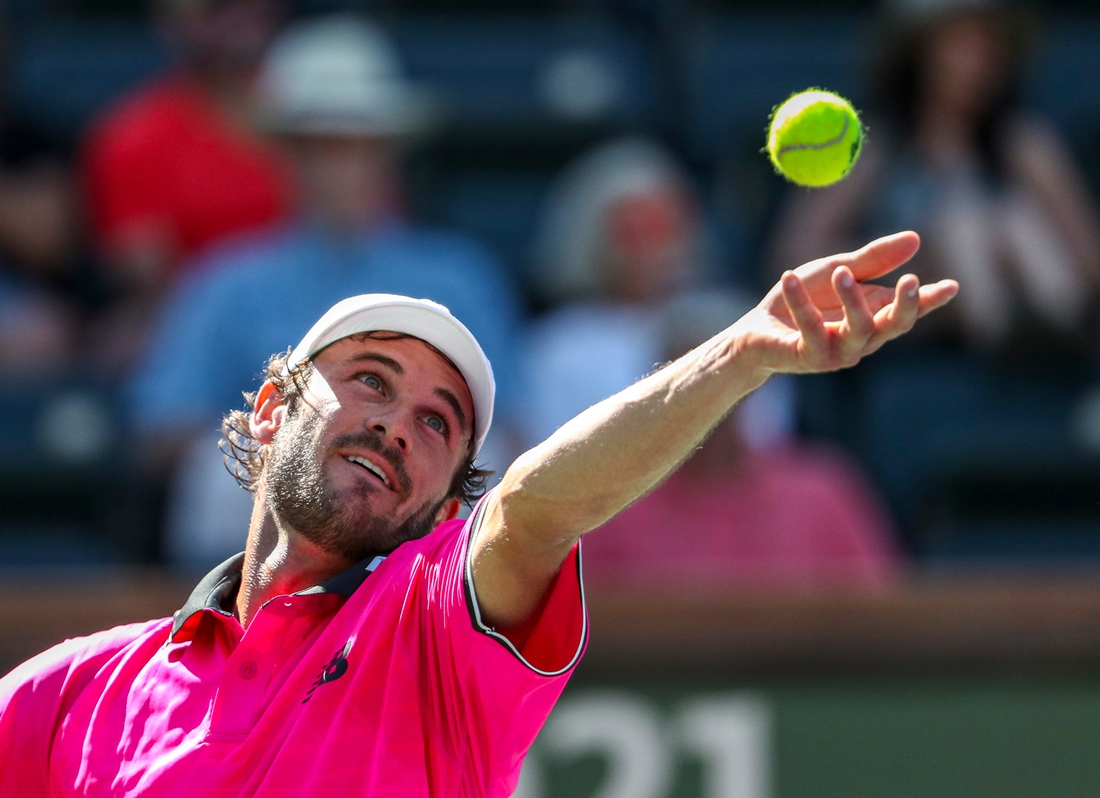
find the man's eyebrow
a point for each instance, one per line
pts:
(452, 400)
(389, 362)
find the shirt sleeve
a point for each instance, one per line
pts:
(550, 643)
(497, 693)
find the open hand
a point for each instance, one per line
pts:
(823, 317)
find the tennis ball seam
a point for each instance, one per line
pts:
(819, 145)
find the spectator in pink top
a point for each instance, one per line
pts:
(731, 518)
(367, 643)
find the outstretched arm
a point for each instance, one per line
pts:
(820, 317)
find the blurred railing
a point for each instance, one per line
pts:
(40, 608)
(944, 622)
(948, 621)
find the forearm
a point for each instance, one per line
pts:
(820, 318)
(619, 449)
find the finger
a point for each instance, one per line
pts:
(900, 315)
(913, 302)
(859, 324)
(935, 296)
(805, 314)
(881, 256)
(878, 296)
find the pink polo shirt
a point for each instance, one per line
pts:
(382, 681)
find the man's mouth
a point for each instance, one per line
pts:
(371, 467)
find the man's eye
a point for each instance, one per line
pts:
(435, 422)
(372, 381)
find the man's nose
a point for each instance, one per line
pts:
(393, 429)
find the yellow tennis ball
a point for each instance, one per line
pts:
(814, 138)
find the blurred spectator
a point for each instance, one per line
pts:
(333, 92)
(38, 323)
(175, 167)
(737, 516)
(40, 271)
(621, 237)
(993, 191)
(732, 517)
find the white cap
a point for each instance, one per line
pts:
(339, 75)
(420, 318)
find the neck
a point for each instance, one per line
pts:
(278, 561)
(946, 125)
(229, 89)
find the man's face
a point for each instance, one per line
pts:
(348, 181)
(651, 238)
(224, 33)
(366, 460)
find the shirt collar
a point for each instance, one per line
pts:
(218, 590)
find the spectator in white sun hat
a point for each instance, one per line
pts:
(332, 93)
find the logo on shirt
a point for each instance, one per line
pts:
(336, 667)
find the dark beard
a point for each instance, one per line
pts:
(299, 497)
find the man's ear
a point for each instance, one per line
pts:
(448, 511)
(268, 414)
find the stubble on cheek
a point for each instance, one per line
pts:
(342, 521)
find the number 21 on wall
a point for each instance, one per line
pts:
(730, 733)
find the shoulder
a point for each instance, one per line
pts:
(129, 123)
(71, 664)
(446, 540)
(37, 699)
(1030, 138)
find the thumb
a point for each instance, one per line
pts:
(880, 256)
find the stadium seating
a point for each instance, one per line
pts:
(965, 452)
(1064, 83)
(515, 77)
(66, 478)
(61, 73)
(498, 78)
(736, 70)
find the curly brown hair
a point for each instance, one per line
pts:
(245, 457)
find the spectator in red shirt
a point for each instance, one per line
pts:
(176, 167)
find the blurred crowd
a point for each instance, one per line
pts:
(200, 221)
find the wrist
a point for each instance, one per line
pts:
(746, 358)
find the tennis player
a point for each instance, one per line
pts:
(368, 643)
